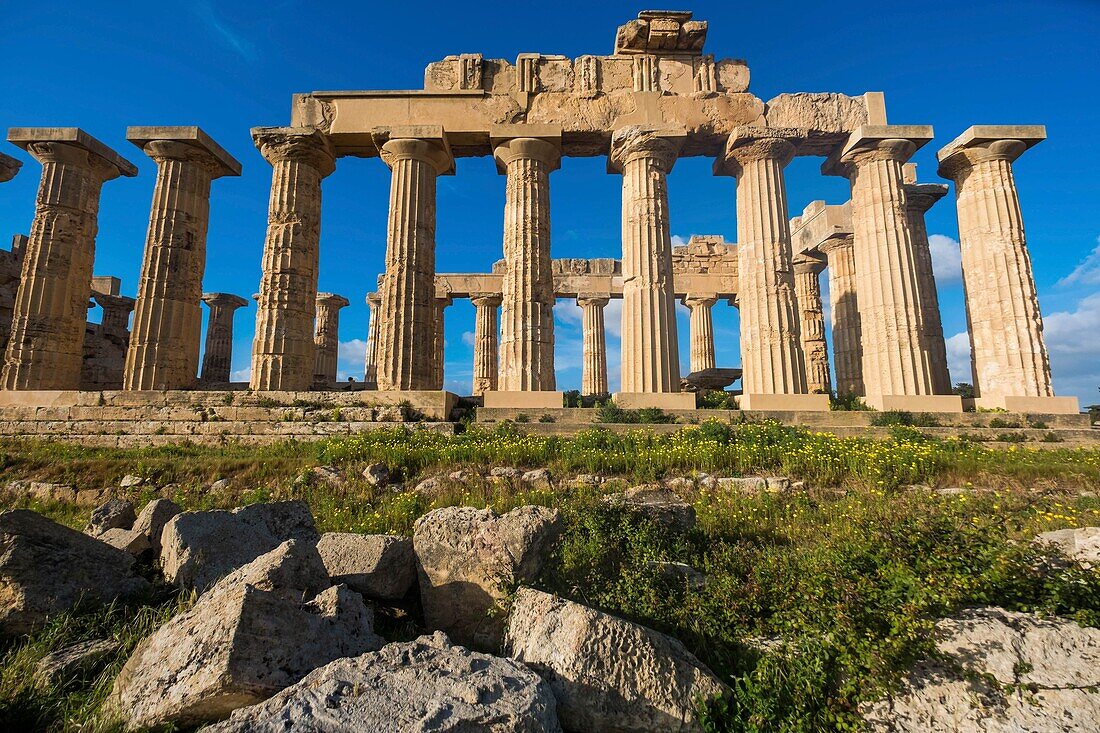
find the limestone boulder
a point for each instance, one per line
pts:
(198, 548)
(656, 504)
(75, 659)
(1001, 672)
(424, 685)
(130, 480)
(46, 568)
(255, 632)
(1081, 544)
(606, 673)
(467, 560)
(375, 565)
(152, 519)
(112, 514)
(377, 474)
(127, 540)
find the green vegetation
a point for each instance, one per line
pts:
(846, 402)
(716, 400)
(904, 418)
(612, 413)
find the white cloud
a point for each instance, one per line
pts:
(946, 258)
(567, 313)
(241, 375)
(1075, 350)
(1087, 271)
(468, 338)
(958, 357)
(353, 351)
(679, 241)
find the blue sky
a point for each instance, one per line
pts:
(232, 65)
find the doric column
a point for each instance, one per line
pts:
(283, 351)
(116, 313)
(9, 166)
(527, 308)
(46, 347)
(919, 198)
(844, 315)
(326, 339)
(406, 352)
(593, 345)
(650, 362)
(765, 279)
(218, 355)
(702, 331)
(485, 341)
(438, 341)
(811, 319)
(164, 343)
(1008, 353)
(370, 361)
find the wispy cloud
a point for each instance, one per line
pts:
(1087, 271)
(221, 29)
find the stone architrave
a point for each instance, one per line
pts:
(283, 351)
(439, 340)
(46, 347)
(370, 360)
(326, 339)
(844, 315)
(218, 355)
(1008, 353)
(593, 344)
(485, 342)
(164, 344)
(416, 157)
(527, 308)
(897, 368)
(811, 317)
(919, 198)
(702, 331)
(650, 360)
(116, 313)
(9, 166)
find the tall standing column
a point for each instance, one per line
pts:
(217, 357)
(439, 340)
(593, 345)
(406, 351)
(370, 360)
(897, 367)
(650, 359)
(919, 198)
(283, 350)
(844, 315)
(326, 339)
(1008, 353)
(702, 331)
(527, 308)
(485, 341)
(164, 343)
(46, 346)
(811, 318)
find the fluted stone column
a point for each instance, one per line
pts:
(326, 339)
(116, 313)
(164, 344)
(370, 361)
(439, 340)
(701, 330)
(406, 348)
(811, 319)
(527, 308)
(283, 350)
(217, 357)
(650, 362)
(46, 346)
(485, 341)
(844, 315)
(593, 345)
(897, 367)
(9, 166)
(919, 198)
(1008, 353)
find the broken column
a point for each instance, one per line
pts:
(844, 315)
(326, 339)
(1008, 354)
(485, 341)
(164, 343)
(593, 344)
(283, 350)
(116, 313)
(46, 346)
(370, 360)
(701, 330)
(811, 319)
(218, 355)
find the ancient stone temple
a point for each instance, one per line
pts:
(659, 97)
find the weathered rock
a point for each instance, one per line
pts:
(1081, 544)
(73, 660)
(220, 485)
(505, 472)
(327, 475)
(200, 547)
(1003, 672)
(656, 504)
(607, 674)
(127, 540)
(129, 481)
(429, 486)
(376, 565)
(152, 519)
(461, 476)
(467, 558)
(754, 484)
(419, 686)
(46, 568)
(587, 479)
(679, 575)
(679, 483)
(539, 477)
(377, 474)
(114, 514)
(245, 639)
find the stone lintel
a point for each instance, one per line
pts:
(9, 166)
(25, 136)
(1029, 135)
(503, 133)
(193, 136)
(224, 299)
(106, 284)
(875, 102)
(819, 223)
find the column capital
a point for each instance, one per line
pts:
(106, 300)
(696, 300)
(72, 146)
(660, 143)
(487, 300)
(870, 143)
(301, 144)
(920, 197)
(443, 301)
(184, 143)
(426, 143)
(224, 300)
(806, 263)
(9, 166)
(544, 150)
(981, 143)
(596, 299)
(374, 300)
(749, 143)
(836, 243)
(332, 300)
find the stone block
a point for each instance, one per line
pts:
(792, 402)
(917, 403)
(1049, 405)
(660, 400)
(524, 400)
